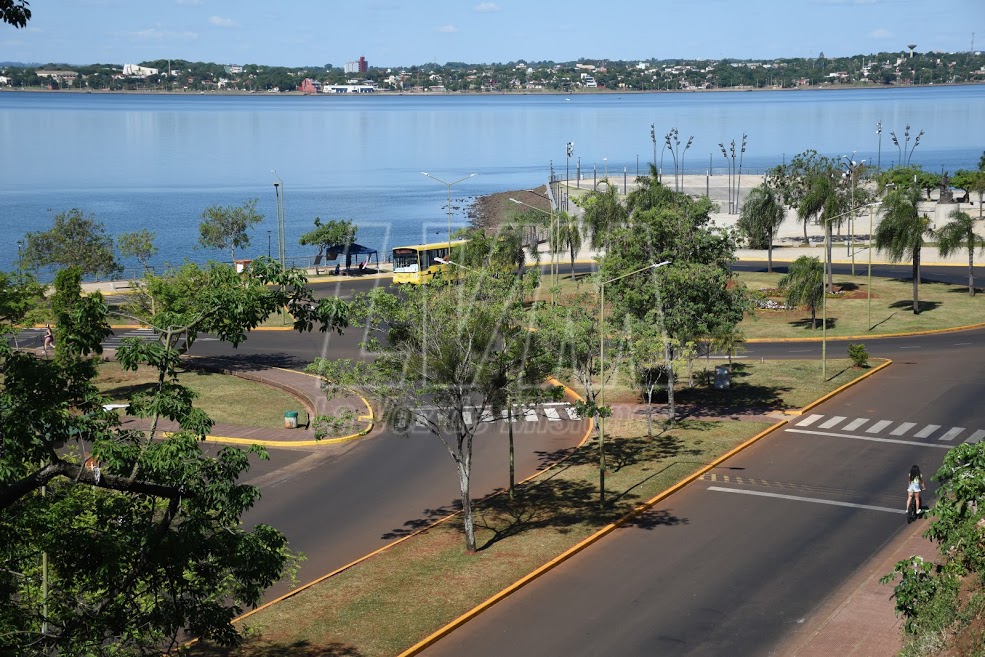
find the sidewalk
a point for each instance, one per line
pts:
(859, 619)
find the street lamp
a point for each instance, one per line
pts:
(268, 243)
(553, 237)
(653, 138)
(605, 168)
(281, 231)
(879, 156)
(20, 265)
(569, 149)
(602, 285)
(449, 184)
(851, 169)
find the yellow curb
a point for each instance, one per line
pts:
(858, 264)
(953, 329)
(553, 563)
(821, 400)
(370, 416)
(546, 468)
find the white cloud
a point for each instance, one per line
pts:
(448, 29)
(881, 33)
(484, 7)
(157, 34)
(219, 21)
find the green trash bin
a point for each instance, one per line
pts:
(290, 419)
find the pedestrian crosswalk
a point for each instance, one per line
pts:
(559, 412)
(878, 427)
(32, 338)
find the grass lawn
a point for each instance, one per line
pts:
(226, 399)
(387, 603)
(941, 306)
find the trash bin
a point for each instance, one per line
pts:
(290, 419)
(723, 377)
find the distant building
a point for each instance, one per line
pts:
(310, 86)
(352, 87)
(134, 71)
(233, 69)
(62, 77)
(360, 66)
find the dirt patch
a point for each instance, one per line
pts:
(493, 210)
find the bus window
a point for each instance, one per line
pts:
(405, 261)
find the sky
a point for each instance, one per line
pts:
(398, 33)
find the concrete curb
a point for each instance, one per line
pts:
(880, 336)
(840, 389)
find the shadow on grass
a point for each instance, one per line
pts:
(260, 648)
(923, 305)
(883, 321)
(806, 323)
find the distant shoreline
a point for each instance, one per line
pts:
(525, 92)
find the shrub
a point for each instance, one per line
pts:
(858, 354)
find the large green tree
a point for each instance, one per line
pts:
(902, 230)
(121, 542)
(760, 219)
(792, 181)
(227, 227)
(452, 354)
(74, 240)
(334, 235)
(138, 245)
(960, 233)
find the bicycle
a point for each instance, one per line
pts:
(911, 510)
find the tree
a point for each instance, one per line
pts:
(974, 182)
(226, 227)
(602, 213)
(452, 352)
(902, 230)
(141, 531)
(138, 245)
(760, 220)
(74, 240)
(792, 181)
(822, 200)
(15, 12)
(339, 234)
(647, 358)
(960, 233)
(804, 285)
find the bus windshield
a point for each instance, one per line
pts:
(405, 261)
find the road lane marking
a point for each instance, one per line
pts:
(809, 420)
(855, 424)
(976, 437)
(902, 429)
(869, 438)
(878, 426)
(927, 430)
(486, 416)
(951, 434)
(506, 416)
(837, 419)
(798, 498)
(552, 415)
(467, 418)
(572, 413)
(916, 346)
(530, 415)
(799, 351)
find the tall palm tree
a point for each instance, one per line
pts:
(760, 220)
(978, 186)
(902, 230)
(960, 233)
(804, 285)
(823, 200)
(603, 212)
(569, 237)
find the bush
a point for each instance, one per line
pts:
(858, 354)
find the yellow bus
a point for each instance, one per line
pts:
(416, 264)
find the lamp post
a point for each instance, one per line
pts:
(851, 169)
(268, 243)
(879, 155)
(605, 168)
(552, 240)
(653, 138)
(281, 231)
(602, 285)
(569, 150)
(20, 243)
(449, 184)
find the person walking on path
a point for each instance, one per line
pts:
(913, 487)
(49, 339)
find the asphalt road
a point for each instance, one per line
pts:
(735, 563)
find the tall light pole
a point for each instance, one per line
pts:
(601, 324)
(281, 231)
(569, 150)
(552, 239)
(879, 155)
(653, 138)
(605, 168)
(449, 184)
(851, 169)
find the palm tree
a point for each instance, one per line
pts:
(804, 285)
(978, 186)
(569, 237)
(823, 199)
(760, 219)
(902, 230)
(960, 232)
(603, 212)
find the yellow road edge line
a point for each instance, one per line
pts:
(842, 388)
(572, 551)
(880, 336)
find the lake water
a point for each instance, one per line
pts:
(157, 161)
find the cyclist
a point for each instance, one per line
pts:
(914, 484)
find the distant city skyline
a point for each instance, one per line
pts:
(396, 33)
